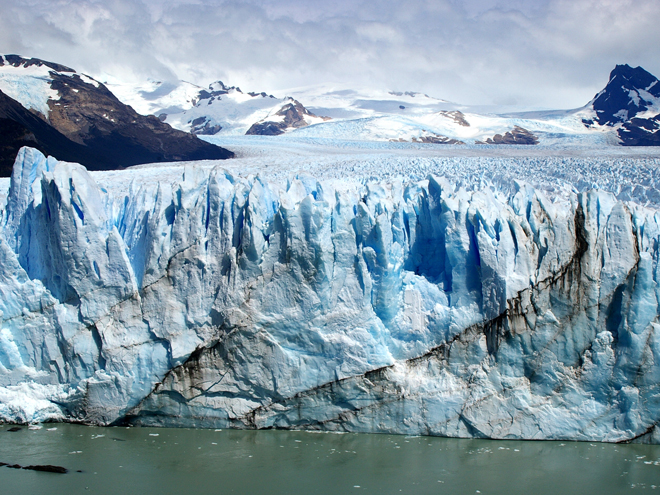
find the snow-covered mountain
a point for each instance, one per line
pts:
(630, 103)
(225, 109)
(346, 113)
(76, 118)
(341, 102)
(630, 92)
(353, 114)
(625, 112)
(217, 108)
(643, 125)
(415, 117)
(373, 115)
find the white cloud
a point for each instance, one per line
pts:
(552, 53)
(379, 32)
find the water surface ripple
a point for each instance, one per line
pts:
(175, 461)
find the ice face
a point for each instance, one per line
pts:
(405, 306)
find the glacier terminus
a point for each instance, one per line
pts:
(464, 298)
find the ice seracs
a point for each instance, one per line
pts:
(403, 306)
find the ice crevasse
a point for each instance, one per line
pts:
(400, 307)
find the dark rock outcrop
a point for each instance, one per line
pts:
(203, 126)
(456, 116)
(437, 139)
(18, 61)
(292, 117)
(627, 93)
(430, 139)
(640, 132)
(267, 129)
(45, 468)
(517, 135)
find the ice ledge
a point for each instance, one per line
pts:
(404, 307)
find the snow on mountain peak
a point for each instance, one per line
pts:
(218, 86)
(28, 81)
(384, 115)
(291, 115)
(630, 92)
(18, 61)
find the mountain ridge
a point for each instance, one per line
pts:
(88, 123)
(629, 92)
(630, 103)
(626, 112)
(406, 116)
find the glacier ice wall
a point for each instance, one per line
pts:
(417, 308)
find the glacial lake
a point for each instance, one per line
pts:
(178, 461)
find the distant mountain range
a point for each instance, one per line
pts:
(218, 108)
(625, 112)
(77, 118)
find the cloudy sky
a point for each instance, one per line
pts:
(534, 53)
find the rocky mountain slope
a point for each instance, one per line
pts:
(629, 93)
(631, 104)
(81, 111)
(19, 127)
(641, 132)
(292, 115)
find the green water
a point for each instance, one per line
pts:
(182, 461)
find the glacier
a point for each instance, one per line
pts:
(445, 304)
